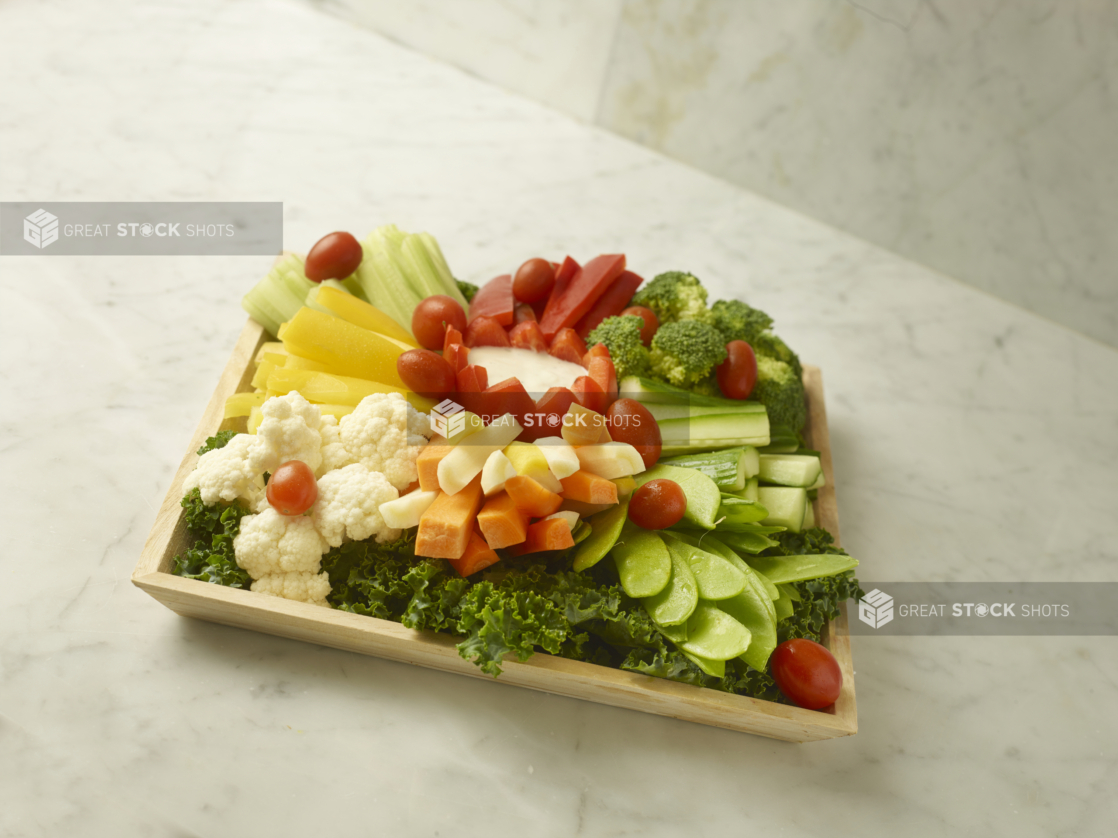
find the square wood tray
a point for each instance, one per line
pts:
(386, 639)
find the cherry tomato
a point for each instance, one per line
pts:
(335, 256)
(630, 421)
(657, 504)
(292, 489)
(737, 375)
(533, 281)
(807, 673)
(426, 372)
(651, 322)
(431, 317)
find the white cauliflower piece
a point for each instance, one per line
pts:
(385, 434)
(270, 543)
(299, 586)
(334, 453)
(288, 431)
(227, 473)
(349, 502)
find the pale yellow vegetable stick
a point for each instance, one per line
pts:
(325, 388)
(241, 404)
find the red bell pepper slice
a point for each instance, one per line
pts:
(457, 356)
(613, 301)
(547, 419)
(508, 396)
(452, 336)
(569, 304)
(473, 379)
(589, 394)
(486, 331)
(598, 350)
(568, 346)
(528, 336)
(602, 371)
(494, 299)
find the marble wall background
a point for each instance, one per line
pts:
(979, 137)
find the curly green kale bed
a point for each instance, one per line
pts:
(534, 603)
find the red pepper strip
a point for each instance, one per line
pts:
(566, 308)
(613, 301)
(494, 299)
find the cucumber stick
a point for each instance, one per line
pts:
(786, 505)
(802, 470)
(714, 430)
(730, 468)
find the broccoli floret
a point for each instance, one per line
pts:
(674, 296)
(468, 289)
(622, 337)
(771, 346)
(685, 353)
(738, 321)
(781, 391)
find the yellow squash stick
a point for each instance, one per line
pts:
(360, 313)
(295, 362)
(349, 349)
(323, 388)
(263, 370)
(241, 404)
(272, 346)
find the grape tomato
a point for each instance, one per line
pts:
(657, 505)
(426, 372)
(630, 421)
(533, 281)
(807, 673)
(737, 375)
(432, 317)
(292, 489)
(334, 256)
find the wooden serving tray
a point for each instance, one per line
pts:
(386, 639)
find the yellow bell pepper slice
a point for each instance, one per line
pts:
(324, 388)
(349, 349)
(241, 404)
(360, 313)
(260, 379)
(271, 346)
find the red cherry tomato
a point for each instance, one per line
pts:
(651, 321)
(807, 673)
(426, 372)
(657, 504)
(335, 256)
(533, 281)
(630, 421)
(737, 375)
(292, 489)
(431, 318)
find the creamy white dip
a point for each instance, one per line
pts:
(538, 372)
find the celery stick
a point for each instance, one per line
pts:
(435, 254)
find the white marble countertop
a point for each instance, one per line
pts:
(972, 441)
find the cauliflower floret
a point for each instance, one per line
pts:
(299, 586)
(272, 543)
(289, 431)
(385, 434)
(334, 454)
(227, 473)
(349, 502)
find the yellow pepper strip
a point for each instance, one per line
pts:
(360, 313)
(324, 388)
(241, 404)
(269, 346)
(349, 349)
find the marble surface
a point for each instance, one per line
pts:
(976, 137)
(972, 440)
(552, 52)
(972, 136)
